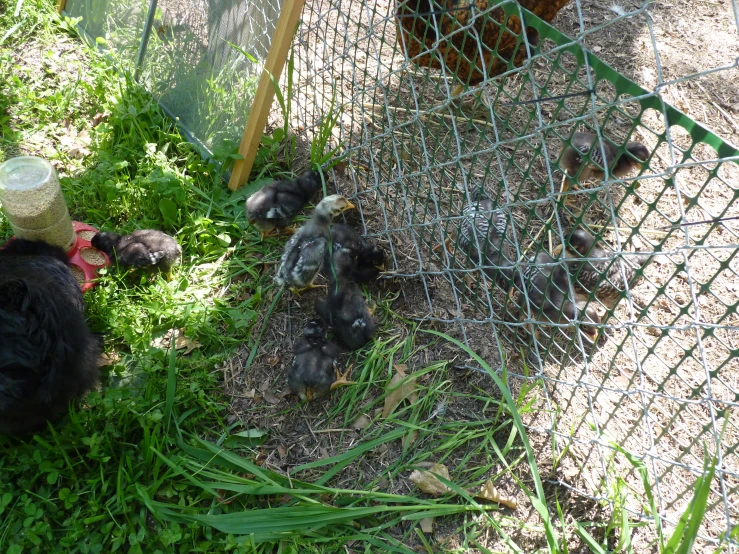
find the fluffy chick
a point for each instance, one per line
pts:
(47, 354)
(345, 308)
(601, 272)
(304, 252)
(144, 248)
(273, 207)
(370, 258)
(313, 371)
(547, 287)
(583, 160)
(482, 237)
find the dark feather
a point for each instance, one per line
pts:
(47, 354)
(143, 248)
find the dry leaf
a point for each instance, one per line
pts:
(268, 395)
(427, 525)
(489, 492)
(428, 482)
(399, 392)
(282, 451)
(108, 358)
(361, 422)
(180, 341)
(250, 393)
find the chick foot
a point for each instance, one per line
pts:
(341, 378)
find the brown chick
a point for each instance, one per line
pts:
(583, 161)
(461, 28)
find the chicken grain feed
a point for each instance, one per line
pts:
(87, 235)
(92, 256)
(78, 273)
(33, 201)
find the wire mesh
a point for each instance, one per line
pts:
(660, 379)
(656, 371)
(202, 59)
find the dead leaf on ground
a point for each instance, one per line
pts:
(427, 525)
(489, 492)
(399, 392)
(268, 395)
(408, 439)
(109, 358)
(428, 482)
(282, 451)
(362, 422)
(180, 341)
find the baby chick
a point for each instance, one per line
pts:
(547, 287)
(313, 371)
(601, 273)
(485, 228)
(144, 248)
(574, 162)
(305, 251)
(370, 258)
(272, 208)
(345, 308)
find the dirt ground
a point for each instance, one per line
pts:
(665, 371)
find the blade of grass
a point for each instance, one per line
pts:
(538, 501)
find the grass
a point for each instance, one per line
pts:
(150, 463)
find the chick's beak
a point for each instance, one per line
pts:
(349, 206)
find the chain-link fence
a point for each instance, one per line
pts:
(660, 379)
(649, 363)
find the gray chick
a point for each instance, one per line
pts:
(313, 371)
(273, 207)
(546, 285)
(484, 229)
(146, 248)
(304, 252)
(345, 309)
(600, 273)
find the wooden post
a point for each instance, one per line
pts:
(60, 5)
(282, 38)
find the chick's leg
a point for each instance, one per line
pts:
(341, 378)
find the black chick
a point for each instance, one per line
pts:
(601, 272)
(144, 248)
(546, 283)
(484, 229)
(583, 161)
(313, 371)
(48, 356)
(370, 258)
(345, 309)
(273, 207)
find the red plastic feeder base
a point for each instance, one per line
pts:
(84, 258)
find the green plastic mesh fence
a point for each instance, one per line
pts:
(450, 109)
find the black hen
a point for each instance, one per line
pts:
(47, 354)
(345, 308)
(274, 206)
(144, 248)
(369, 257)
(313, 371)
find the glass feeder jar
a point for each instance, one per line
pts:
(33, 202)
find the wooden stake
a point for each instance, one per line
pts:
(282, 38)
(60, 5)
